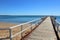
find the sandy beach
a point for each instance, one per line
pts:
(45, 30)
(5, 33)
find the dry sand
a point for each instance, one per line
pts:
(5, 33)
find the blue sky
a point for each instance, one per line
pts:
(29, 7)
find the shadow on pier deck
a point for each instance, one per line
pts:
(45, 31)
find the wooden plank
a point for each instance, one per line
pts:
(45, 31)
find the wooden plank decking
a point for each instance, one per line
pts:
(44, 31)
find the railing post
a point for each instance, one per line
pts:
(21, 30)
(57, 28)
(10, 34)
(31, 27)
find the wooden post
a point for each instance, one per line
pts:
(21, 30)
(10, 34)
(31, 27)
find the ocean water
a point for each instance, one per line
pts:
(58, 18)
(17, 19)
(20, 19)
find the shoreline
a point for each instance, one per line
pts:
(6, 25)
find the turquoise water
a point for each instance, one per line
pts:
(17, 19)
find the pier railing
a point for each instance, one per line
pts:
(25, 28)
(22, 29)
(57, 26)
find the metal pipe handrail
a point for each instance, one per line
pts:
(11, 35)
(22, 31)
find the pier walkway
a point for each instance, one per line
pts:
(39, 29)
(44, 31)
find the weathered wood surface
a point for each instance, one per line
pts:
(45, 31)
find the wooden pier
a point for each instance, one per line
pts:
(44, 29)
